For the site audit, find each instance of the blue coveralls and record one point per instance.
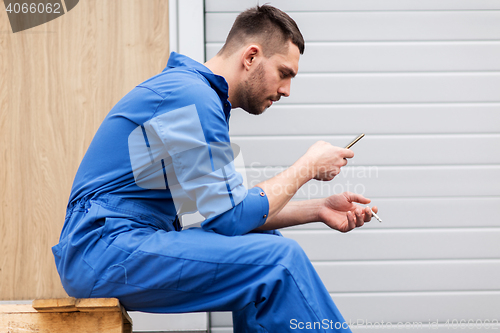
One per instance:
(164, 148)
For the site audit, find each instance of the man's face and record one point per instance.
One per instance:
(270, 80)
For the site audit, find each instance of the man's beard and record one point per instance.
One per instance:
(250, 92)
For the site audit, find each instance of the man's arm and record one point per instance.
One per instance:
(338, 211)
(322, 161)
(295, 213)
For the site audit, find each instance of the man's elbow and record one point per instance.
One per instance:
(226, 228)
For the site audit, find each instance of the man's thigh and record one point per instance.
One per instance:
(196, 270)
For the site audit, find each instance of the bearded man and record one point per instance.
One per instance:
(164, 150)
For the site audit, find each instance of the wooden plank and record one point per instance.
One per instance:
(378, 149)
(395, 88)
(397, 182)
(380, 26)
(67, 304)
(98, 304)
(127, 321)
(408, 244)
(361, 5)
(404, 213)
(82, 322)
(356, 57)
(16, 308)
(371, 119)
(410, 275)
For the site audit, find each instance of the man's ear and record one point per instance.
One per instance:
(250, 55)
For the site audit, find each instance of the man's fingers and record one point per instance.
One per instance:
(347, 153)
(351, 221)
(368, 214)
(359, 218)
(354, 197)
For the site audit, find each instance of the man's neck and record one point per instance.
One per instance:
(227, 68)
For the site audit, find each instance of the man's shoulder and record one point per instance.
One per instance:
(178, 80)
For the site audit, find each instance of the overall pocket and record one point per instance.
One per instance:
(149, 270)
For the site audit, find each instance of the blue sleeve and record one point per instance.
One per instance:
(248, 215)
(199, 167)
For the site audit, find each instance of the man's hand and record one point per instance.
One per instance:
(341, 213)
(322, 161)
(326, 160)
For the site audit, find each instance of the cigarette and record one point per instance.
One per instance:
(376, 216)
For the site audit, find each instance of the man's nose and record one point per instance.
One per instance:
(284, 89)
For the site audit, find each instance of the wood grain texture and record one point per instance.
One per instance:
(67, 304)
(52, 322)
(58, 81)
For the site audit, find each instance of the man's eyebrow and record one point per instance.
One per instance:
(288, 71)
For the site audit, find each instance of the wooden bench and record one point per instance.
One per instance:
(84, 315)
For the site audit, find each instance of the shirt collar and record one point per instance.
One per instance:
(217, 82)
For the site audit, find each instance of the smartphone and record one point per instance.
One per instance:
(355, 140)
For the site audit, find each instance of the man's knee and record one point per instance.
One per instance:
(290, 252)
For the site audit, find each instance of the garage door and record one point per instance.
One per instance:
(421, 78)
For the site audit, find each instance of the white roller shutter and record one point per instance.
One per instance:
(422, 79)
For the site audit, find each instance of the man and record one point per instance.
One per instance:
(163, 150)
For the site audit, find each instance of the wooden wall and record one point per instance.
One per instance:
(57, 83)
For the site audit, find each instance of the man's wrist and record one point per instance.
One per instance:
(320, 205)
(304, 169)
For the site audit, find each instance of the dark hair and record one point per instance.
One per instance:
(269, 26)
